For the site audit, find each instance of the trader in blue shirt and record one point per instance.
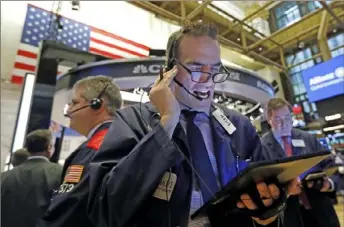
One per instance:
(312, 207)
(163, 160)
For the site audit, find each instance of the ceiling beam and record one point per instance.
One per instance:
(309, 32)
(196, 11)
(182, 10)
(237, 22)
(293, 39)
(330, 11)
(280, 31)
(164, 4)
(157, 10)
(265, 5)
(233, 45)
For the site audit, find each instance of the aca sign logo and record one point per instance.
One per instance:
(325, 80)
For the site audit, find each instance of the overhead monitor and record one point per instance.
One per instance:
(325, 80)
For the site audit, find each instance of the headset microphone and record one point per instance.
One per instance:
(66, 114)
(181, 85)
(95, 103)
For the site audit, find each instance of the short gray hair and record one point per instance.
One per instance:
(93, 85)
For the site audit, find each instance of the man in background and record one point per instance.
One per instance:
(20, 156)
(312, 208)
(94, 103)
(26, 190)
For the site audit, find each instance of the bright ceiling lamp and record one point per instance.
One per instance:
(23, 112)
(333, 117)
(333, 128)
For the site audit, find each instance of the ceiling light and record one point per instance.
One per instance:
(333, 117)
(333, 128)
(301, 45)
(246, 58)
(75, 5)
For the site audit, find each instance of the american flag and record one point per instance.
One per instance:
(73, 174)
(73, 34)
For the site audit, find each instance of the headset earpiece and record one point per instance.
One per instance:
(96, 103)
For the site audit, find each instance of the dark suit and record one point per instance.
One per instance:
(26, 192)
(322, 213)
(69, 202)
(132, 159)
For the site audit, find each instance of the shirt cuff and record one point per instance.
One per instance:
(332, 186)
(276, 223)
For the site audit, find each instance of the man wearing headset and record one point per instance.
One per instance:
(142, 174)
(93, 106)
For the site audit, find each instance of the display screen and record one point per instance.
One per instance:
(325, 80)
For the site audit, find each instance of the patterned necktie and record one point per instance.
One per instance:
(289, 152)
(200, 159)
(287, 146)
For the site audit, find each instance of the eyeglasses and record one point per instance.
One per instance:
(284, 120)
(201, 77)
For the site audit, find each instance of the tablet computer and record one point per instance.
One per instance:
(315, 176)
(331, 170)
(282, 170)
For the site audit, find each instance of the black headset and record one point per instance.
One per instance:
(95, 103)
(169, 63)
(170, 60)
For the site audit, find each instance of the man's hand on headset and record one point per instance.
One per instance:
(164, 100)
(268, 193)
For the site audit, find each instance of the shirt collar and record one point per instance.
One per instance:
(184, 107)
(278, 137)
(90, 134)
(38, 157)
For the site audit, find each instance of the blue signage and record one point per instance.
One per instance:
(325, 80)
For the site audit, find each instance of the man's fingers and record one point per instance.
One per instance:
(263, 190)
(294, 187)
(310, 184)
(326, 185)
(240, 205)
(247, 201)
(274, 191)
(168, 76)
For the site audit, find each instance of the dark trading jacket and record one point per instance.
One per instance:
(132, 160)
(69, 202)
